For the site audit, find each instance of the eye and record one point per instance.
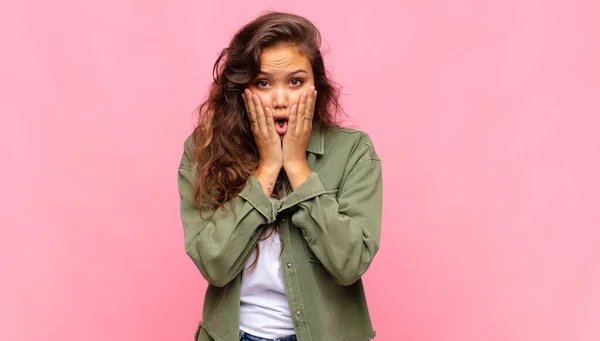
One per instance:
(296, 82)
(261, 83)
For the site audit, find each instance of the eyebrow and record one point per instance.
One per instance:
(289, 74)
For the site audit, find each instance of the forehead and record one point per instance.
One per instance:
(282, 58)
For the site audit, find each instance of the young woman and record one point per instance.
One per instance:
(281, 207)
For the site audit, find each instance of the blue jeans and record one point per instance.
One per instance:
(247, 337)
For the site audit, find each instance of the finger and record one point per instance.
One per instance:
(301, 113)
(293, 119)
(310, 108)
(260, 115)
(247, 95)
(245, 102)
(270, 122)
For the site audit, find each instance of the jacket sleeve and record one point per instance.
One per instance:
(221, 240)
(344, 233)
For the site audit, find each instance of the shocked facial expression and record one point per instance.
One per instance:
(285, 75)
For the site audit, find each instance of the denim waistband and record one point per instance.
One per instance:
(245, 336)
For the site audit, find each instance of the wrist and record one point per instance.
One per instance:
(297, 174)
(268, 170)
(296, 167)
(267, 178)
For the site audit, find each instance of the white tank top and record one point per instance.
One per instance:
(264, 309)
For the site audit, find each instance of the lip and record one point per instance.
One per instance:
(280, 117)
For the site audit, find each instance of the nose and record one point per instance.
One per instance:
(280, 98)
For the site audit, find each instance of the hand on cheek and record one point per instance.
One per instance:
(296, 139)
(267, 141)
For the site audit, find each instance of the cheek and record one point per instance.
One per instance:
(265, 99)
(305, 88)
(295, 97)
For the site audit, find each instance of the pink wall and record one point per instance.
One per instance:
(485, 113)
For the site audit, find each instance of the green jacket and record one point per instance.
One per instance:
(329, 226)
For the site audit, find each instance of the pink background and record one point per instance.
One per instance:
(485, 113)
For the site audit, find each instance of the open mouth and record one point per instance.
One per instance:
(281, 125)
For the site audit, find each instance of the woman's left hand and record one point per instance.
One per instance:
(296, 138)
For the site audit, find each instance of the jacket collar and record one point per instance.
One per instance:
(316, 141)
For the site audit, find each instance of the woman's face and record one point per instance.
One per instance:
(285, 75)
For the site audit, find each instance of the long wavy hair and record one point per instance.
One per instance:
(225, 152)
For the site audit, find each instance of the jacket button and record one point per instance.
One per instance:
(289, 265)
(298, 313)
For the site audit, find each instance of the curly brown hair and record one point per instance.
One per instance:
(225, 153)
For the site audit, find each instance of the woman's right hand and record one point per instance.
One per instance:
(267, 140)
